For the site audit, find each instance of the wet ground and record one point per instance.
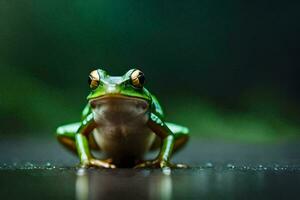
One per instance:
(41, 169)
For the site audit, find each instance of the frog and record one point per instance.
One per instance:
(123, 121)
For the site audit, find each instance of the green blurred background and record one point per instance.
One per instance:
(226, 69)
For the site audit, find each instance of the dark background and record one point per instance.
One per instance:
(225, 69)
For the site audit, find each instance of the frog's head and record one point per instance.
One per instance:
(130, 85)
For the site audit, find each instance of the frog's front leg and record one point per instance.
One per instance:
(161, 129)
(82, 145)
(77, 138)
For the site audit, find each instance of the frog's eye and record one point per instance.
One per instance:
(137, 78)
(94, 79)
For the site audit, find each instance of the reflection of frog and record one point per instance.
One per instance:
(90, 184)
(123, 120)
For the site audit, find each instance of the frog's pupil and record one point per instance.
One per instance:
(141, 78)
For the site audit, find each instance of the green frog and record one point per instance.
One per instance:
(123, 120)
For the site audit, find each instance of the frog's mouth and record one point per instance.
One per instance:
(119, 99)
(115, 108)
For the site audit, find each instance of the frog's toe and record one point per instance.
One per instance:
(180, 166)
(145, 164)
(108, 160)
(102, 164)
(153, 164)
(98, 164)
(160, 164)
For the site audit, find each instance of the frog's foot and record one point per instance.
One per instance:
(98, 163)
(158, 163)
(108, 160)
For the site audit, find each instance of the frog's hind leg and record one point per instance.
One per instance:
(66, 136)
(181, 134)
(181, 137)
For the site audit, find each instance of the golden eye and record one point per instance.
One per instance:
(137, 78)
(94, 79)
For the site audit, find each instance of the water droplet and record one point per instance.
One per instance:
(231, 166)
(28, 165)
(48, 165)
(208, 165)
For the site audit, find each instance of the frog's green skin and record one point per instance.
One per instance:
(123, 122)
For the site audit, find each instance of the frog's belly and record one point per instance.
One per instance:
(122, 131)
